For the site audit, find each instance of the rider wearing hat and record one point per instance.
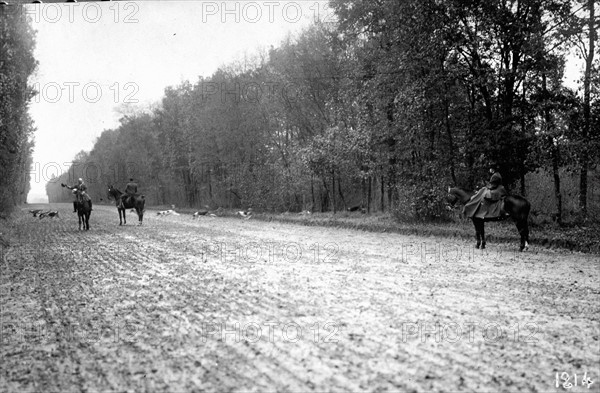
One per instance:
(486, 203)
(497, 190)
(79, 191)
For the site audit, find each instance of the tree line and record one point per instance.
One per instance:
(17, 63)
(382, 109)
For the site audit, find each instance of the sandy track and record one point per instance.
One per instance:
(242, 305)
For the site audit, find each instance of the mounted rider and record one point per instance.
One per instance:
(489, 200)
(130, 193)
(80, 194)
(495, 187)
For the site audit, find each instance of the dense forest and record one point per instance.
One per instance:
(384, 106)
(17, 41)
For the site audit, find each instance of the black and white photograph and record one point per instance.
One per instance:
(300, 196)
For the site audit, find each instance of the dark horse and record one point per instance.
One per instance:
(515, 206)
(138, 204)
(84, 209)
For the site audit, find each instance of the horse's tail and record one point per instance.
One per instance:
(142, 202)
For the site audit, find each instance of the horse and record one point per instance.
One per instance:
(138, 204)
(515, 206)
(83, 206)
(84, 209)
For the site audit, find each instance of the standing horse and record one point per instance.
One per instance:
(84, 209)
(83, 206)
(515, 206)
(138, 204)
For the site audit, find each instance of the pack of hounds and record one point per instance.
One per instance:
(41, 213)
(245, 214)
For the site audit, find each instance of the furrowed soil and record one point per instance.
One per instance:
(227, 304)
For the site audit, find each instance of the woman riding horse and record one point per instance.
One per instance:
(488, 201)
(493, 203)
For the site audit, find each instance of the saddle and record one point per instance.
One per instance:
(128, 198)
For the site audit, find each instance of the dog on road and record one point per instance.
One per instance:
(36, 212)
(50, 214)
(167, 213)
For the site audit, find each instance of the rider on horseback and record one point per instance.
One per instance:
(130, 192)
(487, 202)
(495, 187)
(79, 191)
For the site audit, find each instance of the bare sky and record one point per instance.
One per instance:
(101, 55)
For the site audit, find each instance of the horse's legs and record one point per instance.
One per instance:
(524, 232)
(476, 225)
(482, 230)
(124, 218)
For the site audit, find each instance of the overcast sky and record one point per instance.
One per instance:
(103, 54)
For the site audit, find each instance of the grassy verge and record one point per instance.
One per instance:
(584, 239)
(575, 238)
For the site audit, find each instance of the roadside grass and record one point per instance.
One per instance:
(583, 238)
(575, 238)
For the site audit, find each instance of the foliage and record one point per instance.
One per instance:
(16, 128)
(383, 109)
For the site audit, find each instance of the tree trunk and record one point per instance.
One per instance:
(583, 171)
(382, 194)
(333, 190)
(342, 195)
(390, 190)
(324, 196)
(369, 196)
(210, 192)
(363, 191)
(553, 150)
(555, 172)
(450, 139)
(312, 193)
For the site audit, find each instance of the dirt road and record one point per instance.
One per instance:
(242, 305)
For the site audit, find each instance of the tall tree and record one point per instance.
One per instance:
(587, 51)
(17, 41)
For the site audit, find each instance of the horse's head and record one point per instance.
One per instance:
(458, 194)
(451, 198)
(110, 191)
